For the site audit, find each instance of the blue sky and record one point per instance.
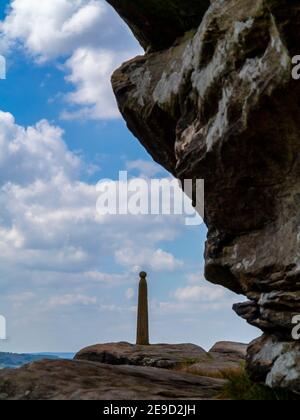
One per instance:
(68, 279)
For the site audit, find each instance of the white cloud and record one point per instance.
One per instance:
(130, 293)
(204, 293)
(145, 168)
(71, 300)
(117, 309)
(105, 278)
(194, 278)
(86, 34)
(145, 258)
(20, 299)
(37, 152)
(90, 72)
(197, 297)
(49, 29)
(194, 299)
(48, 217)
(193, 308)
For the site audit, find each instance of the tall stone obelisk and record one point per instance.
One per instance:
(142, 317)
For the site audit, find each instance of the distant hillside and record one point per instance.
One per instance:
(68, 356)
(13, 360)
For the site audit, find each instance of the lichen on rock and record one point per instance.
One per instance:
(218, 102)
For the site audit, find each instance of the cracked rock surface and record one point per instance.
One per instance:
(216, 100)
(82, 380)
(181, 357)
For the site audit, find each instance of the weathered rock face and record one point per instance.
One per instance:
(223, 357)
(220, 104)
(166, 356)
(81, 380)
(229, 350)
(276, 362)
(181, 357)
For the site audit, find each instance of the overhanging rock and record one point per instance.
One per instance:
(157, 23)
(220, 104)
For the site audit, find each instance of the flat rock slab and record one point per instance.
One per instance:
(167, 356)
(81, 380)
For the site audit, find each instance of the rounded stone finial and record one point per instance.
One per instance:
(143, 274)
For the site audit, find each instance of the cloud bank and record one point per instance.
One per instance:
(86, 36)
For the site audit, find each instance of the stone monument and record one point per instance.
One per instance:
(142, 316)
